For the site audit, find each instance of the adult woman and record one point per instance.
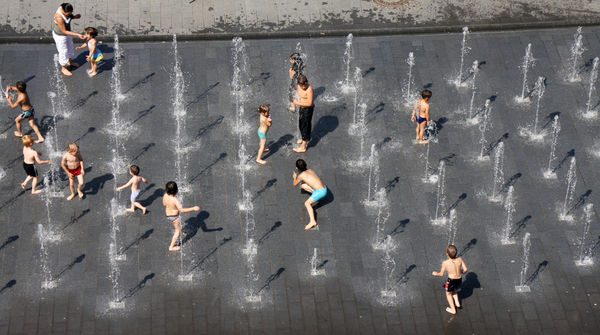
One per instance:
(63, 36)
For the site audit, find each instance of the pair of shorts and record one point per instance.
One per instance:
(421, 119)
(75, 172)
(172, 218)
(98, 56)
(452, 285)
(27, 114)
(304, 121)
(262, 135)
(30, 169)
(319, 194)
(134, 195)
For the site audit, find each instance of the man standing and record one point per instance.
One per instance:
(63, 36)
(306, 107)
(311, 183)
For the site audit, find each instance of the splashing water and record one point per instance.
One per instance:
(464, 50)
(314, 265)
(373, 173)
(475, 72)
(483, 127)
(428, 178)
(585, 253)
(577, 50)
(389, 266)
(570, 192)
(383, 214)
(3, 100)
(44, 237)
(441, 196)
(346, 85)
(409, 95)
(509, 208)
(527, 63)
(498, 173)
(522, 288)
(452, 227)
(549, 172)
(532, 132)
(590, 113)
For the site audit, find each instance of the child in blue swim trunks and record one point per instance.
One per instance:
(311, 183)
(95, 54)
(265, 123)
(421, 115)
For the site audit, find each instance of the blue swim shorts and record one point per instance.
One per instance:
(262, 135)
(319, 194)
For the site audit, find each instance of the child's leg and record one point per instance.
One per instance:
(456, 302)
(417, 131)
(451, 309)
(33, 185)
(18, 133)
(36, 130)
(261, 150)
(80, 186)
(421, 131)
(306, 188)
(177, 225)
(138, 205)
(311, 214)
(26, 181)
(92, 71)
(72, 187)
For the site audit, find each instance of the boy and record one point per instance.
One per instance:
(95, 54)
(306, 107)
(30, 157)
(422, 117)
(134, 182)
(265, 123)
(311, 183)
(455, 267)
(173, 209)
(72, 163)
(27, 111)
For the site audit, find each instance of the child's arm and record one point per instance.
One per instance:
(81, 46)
(427, 113)
(63, 163)
(269, 121)
(297, 178)
(413, 117)
(37, 159)
(441, 273)
(126, 185)
(16, 103)
(144, 180)
(463, 266)
(81, 164)
(292, 73)
(185, 210)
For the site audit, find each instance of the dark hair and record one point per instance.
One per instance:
(302, 80)
(92, 31)
(301, 165)
(426, 94)
(171, 188)
(21, 86)
(263, 109)
(134, 169)
(298, 64)
(451, 251)
(67, 7)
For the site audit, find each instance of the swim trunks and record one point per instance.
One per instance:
(172, 218)
(27, 114)
(304, 121)
(97, 56)
(30, 169)
(262, 135)
(421, 119)
(319, 194)
(134, 195)
(76, 171)
(452, 285)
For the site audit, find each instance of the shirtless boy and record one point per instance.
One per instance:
(421, 115)
(30, 157)
(306, 107)
(311, 183)
(173, 209)
(72, 163)
(455, 267)
(134, 182)
(27, 111)
(265, 123)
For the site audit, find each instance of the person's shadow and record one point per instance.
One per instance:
(469, 284)
(192, 224)
(324, 126)
(94, 185)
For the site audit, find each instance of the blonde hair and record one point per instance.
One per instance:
(73, 147)
(27, 140)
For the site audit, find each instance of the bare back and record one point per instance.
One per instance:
(29, 155)
(305, 96)
(23, 100)
(135, 183)
(310, 177)
(172, 205)
(422, 108)
(455, 267)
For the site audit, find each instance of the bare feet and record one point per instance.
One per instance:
(449, 310)
(144, 210)
(130, 210)
(299, 141)
(36, 192)
(23, 186)
(40, 140)
(177, 248)
(80, 194)
(91, 74)
(66, 72)
(310, 226)
(71, 196)
(261, 161)
(292, 109)
(18, 134)
(266, 150)
(423, 142)
(300, 149)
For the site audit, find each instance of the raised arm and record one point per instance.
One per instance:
(126, 185)
(442, 271)
(36, 156)
(63, 28)
(12, 104)
(297, 178)
(185, 210)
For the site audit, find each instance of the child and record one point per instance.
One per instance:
(134, 182)
(30, 157)
(27, 111)
(295, 70)
(95, 54)
(265, 123)
(422, 117)
(311, 183)
(455, 267)
(72, 163)
(173, 209)
(305, 103)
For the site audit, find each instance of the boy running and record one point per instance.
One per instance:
(455, 267)
(265, 123)
(421, 115)
(72, 163)
(27, 111)
(134, 182)
(30, 157)
(173, 209)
